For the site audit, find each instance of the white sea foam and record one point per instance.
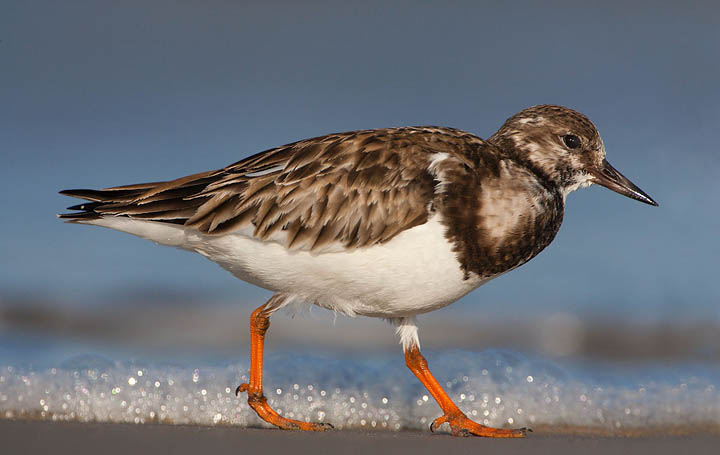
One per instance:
(496, 388)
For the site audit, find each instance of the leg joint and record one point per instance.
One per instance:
(414, 360)
(255, 398)
(259, 321)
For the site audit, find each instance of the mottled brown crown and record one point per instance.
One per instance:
(535, 137)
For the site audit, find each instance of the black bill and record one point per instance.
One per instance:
(609, 177)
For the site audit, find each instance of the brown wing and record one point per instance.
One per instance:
(351, 189)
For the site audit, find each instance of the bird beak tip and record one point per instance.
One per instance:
(609, 177)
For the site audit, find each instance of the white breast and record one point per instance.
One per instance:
(415, 272)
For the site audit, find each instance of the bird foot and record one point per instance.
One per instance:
(258, 402)
(462, 426)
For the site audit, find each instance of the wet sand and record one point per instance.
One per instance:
(32, 437)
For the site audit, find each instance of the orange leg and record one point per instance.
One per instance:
(259, 323)
(460, 425)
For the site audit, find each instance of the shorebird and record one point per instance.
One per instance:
(387, 223)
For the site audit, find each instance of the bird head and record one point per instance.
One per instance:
(565, 147)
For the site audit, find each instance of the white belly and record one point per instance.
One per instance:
(414, 273)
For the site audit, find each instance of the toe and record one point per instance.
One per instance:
(435, 424)
(462, 426)
(242, 388)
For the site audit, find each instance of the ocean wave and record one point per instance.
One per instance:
(495, 388)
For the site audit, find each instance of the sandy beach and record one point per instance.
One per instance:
(29, 437)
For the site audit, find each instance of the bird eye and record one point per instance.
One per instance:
(571, 141)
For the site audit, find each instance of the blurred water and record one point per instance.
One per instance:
(497, 388)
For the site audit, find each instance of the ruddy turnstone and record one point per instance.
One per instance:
(386, 223)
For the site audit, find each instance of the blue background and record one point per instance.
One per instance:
(96, 94)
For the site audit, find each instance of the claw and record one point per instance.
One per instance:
(241, 388)
(437, 422)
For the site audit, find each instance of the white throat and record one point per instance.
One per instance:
(582, 182)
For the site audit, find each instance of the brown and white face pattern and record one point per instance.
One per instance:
(556, 142)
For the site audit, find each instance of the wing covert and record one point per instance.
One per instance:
(346, 190)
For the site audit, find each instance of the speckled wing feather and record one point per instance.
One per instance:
(351, 189)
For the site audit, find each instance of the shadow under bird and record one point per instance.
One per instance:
(386, 223)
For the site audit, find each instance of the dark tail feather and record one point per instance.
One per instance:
(103, 195)
(97, 198)
(171, 204)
